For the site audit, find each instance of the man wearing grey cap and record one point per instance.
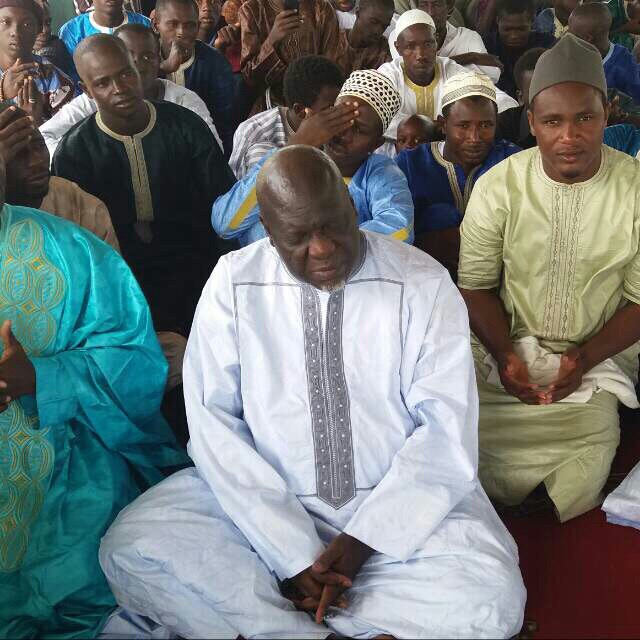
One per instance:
(550, 271)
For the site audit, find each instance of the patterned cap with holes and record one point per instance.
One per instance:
(376, 90)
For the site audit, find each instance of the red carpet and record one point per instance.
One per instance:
(583, 577)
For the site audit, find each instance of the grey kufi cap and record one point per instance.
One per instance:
(569, 60)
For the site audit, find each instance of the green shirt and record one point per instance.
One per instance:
(564, 258)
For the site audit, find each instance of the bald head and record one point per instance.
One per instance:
(296, 177)
(591, 22)
(307, 212)
(92, 50)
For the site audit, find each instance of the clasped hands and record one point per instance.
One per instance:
(321, 585)
(515, 378)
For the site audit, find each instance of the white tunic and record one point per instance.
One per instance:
(459, 40)
(312, 413)
(394, 70)
(83, 106)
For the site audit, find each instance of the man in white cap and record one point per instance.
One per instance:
(462, 45)
(331, 478)
(419, 74)
(349, 132)
(550, 270)
(441, 175)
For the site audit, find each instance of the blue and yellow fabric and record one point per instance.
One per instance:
(378, 188)
(440, 189)
(90, 439)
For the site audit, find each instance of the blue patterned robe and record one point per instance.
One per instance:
(90, 439)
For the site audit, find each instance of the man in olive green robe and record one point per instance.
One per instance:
(550, 271)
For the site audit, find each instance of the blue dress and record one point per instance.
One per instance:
(440, 189)
(91, 438)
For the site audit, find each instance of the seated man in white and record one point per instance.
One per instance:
(333, 411)
(419, 74)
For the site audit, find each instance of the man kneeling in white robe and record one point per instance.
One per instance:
(333, 412)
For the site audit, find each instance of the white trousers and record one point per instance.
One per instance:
(173, 555)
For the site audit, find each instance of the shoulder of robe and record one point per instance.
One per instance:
(394, 260)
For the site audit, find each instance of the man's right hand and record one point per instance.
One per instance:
(318, 128)
(15, 133)
(515, 380)
(307, 591)
(285, 24)
(14, 77)
(177, 55)
(226, 37)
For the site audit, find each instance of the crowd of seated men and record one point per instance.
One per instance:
(298, 296)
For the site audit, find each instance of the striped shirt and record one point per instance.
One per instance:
(255, 137)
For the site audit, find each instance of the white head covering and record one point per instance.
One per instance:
(376, 90)
(411, 17)
(464, 85)
(406, 20)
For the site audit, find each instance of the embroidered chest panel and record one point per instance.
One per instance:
(328, 398)
(31, 288)
(567, 204)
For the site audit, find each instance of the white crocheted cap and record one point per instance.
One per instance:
(376, 90)
(411, 17)
(464, 85)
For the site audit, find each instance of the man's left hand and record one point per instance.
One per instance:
(344, 555)
(570, 374)
(17, 375)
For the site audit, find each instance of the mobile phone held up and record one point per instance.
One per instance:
(291, 5)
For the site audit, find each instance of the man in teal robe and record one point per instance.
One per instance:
(81, 381)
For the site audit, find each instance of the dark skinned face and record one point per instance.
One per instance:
(45, 34)
(418, 47)
(319, 240)
(411, 133)
(525, 82)
(209, 13)
(372, 23)
(177, 22)
(438, 10)
(113, 81)
(470, 130)
(18, 32)
(109, 8)
(515, 29)
(28, 173)
(568, 121)
(146, 56)
(361, 139)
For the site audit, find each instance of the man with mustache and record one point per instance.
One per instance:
(158, 168)
(550, 270)
(144, 47)
(335, 486)
(419, 73)
(441, 175)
